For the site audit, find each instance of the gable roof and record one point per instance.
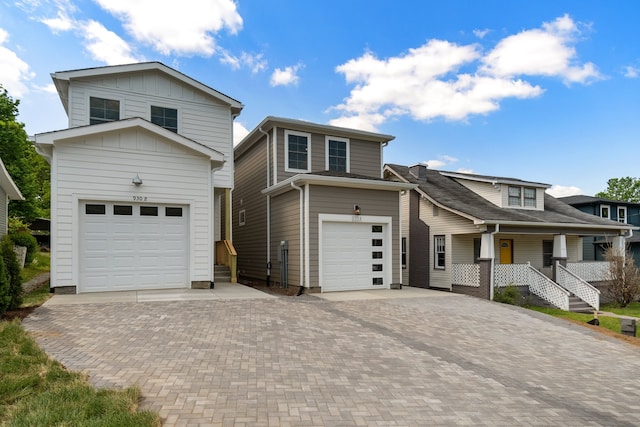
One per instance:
(447, 193)
(61, 80)
(7, 184)
(301, 125)
(45, 141)
(590, 200)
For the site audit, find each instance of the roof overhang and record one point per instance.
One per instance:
(494, 180)
(301, 125)
(61, 80)
(46, 141)
(7, 184)
(332, 181)
(573, 228)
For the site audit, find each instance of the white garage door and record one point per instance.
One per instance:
(354, 256)
(126, 246)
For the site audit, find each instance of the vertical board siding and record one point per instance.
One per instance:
(201, 117)
(92, 168)
(338, 200)
(250, 240)
(285, 225)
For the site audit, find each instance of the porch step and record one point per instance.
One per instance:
(221, 273)
(576, 305)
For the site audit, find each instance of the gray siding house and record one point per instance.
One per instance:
(310, 208)
(471, 234)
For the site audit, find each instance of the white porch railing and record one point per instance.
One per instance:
(538, 283)
(466, 275)
(597, 271)
(577, 286)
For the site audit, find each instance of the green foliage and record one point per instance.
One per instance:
(15, 224)
(27, 168)
(631, 309)
(508, 295)
(10, 261)
(611, 323)
(5, 289)
(40, 264)
(626, 189)
(38, 391)
(24, 238)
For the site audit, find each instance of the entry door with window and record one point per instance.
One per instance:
(506, 251)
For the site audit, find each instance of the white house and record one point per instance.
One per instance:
(140, 180)
(8, 191)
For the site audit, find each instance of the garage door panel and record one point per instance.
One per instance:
(128, 252)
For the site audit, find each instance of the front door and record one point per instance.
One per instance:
(506, 251)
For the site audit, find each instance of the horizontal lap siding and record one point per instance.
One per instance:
(285, 225)
(338, 200)
(405, 222)
(365, 158)
(250, 240)
(484, 189)
(94, 169)
(200, 117)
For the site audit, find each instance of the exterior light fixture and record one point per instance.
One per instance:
(136, 180)
(356, 210)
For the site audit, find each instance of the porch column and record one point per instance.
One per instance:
(618, 245)
(559, 253)
(486, 266)
(227, 214)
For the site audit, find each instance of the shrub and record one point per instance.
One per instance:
(507, 295)
(12, 272)
(5, 295)
(15, 225)
(624, 277)
(24, 238)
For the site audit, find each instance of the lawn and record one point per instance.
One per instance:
(39, 265)
(632, 309)
(36, 390)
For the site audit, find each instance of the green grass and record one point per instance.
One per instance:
(39, 265)
(611, 323)
(632, 309)
(37, 297)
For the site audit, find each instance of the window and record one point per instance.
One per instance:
(378, 281)
(241, 217)
(165, 117)
(530, 197)
(605, 211)
(477, 243)
(172, 211)
(439, 252)
(376, 229)
(103, 110)
(404, 252)
(337, 158)
(547, 253)
(148, 211)
(376, 255)
(94, 209)
(123, 210)
(514, 196)
(298, 152)
(376, 267)
(622, 214)
(376, 242)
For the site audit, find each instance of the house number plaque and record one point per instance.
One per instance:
(139, 198)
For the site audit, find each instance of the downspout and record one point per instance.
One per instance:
(301, 237)
(493, 262)
(268, 208)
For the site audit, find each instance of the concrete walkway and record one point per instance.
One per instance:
(435, 359)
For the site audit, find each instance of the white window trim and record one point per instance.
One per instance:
(326, 151)
(169, 106)
(608, 207)
(435, 252)
(242, 217)
(103, 96)
(621, 208)
(286, 151)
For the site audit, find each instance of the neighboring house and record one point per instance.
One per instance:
(141, 179)
(617, 210)
(311, 210)
(470, 233)
(8, 191)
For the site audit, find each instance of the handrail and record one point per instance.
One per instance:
(577, 286)
(547, 289)
(226, 255)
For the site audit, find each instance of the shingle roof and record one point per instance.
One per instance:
(588, 200)
(455, 196)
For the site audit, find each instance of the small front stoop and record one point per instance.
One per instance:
(576, 305)
(221, 273)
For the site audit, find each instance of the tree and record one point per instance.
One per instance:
(625, 189)
(27, 169)
(624, 277)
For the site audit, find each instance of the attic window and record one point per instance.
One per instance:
(522, 196)
(165, 117)
(103, 110)
(297, 151)
(337, 150)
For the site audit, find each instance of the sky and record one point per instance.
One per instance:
(545, 91)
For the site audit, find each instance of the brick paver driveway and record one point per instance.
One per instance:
(445, 360)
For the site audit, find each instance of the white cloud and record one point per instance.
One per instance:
(481, 33)
(105, 45)
(286, 77)
(632, 72)
(239, 132)
(362, 122)
(186, 29)
(62, 22)
(564, 191)
(14, 72)
(465, 170)
(429, 82)
(440, 162)
(254, 62)
(48, 88)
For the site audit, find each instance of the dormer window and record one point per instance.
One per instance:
(337, 150)
(605, 211)
(522, 197)
(297, 152)
(102, 110)
(622, 214)
(165, 117)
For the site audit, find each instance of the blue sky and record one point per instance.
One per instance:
(547, 91)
